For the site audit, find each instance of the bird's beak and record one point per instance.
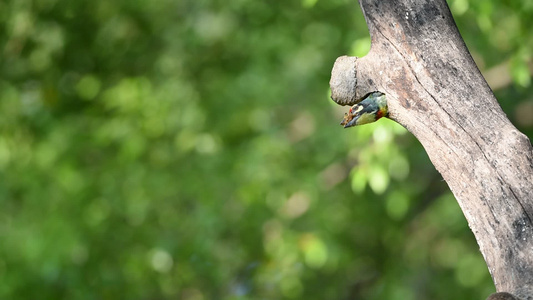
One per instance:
(351, 122)
(351, 117)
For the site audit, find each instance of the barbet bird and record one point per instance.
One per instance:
(371, 108)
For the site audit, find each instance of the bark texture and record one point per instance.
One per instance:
(435, 90)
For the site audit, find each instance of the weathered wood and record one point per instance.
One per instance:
(501, 296)
(434, 89)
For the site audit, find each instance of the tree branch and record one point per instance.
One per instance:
(434, 89)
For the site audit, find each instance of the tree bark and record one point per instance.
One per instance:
(435, 90)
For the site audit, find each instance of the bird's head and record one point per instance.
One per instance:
(372, 108)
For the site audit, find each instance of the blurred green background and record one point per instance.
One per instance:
(187, 149)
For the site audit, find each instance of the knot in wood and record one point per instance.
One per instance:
(344, 80)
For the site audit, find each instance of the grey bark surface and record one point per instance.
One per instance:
(435, 90)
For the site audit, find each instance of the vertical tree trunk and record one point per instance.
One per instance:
(434, 89)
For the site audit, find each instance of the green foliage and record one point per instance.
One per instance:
(187, 150)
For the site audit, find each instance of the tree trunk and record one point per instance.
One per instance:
(434, 89)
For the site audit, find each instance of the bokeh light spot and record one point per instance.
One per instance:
(315, 251)
(161, 261)
(296, 205)
(88, 87)
(378, 179)
(397, 205)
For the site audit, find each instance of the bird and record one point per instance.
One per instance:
(371, 108)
